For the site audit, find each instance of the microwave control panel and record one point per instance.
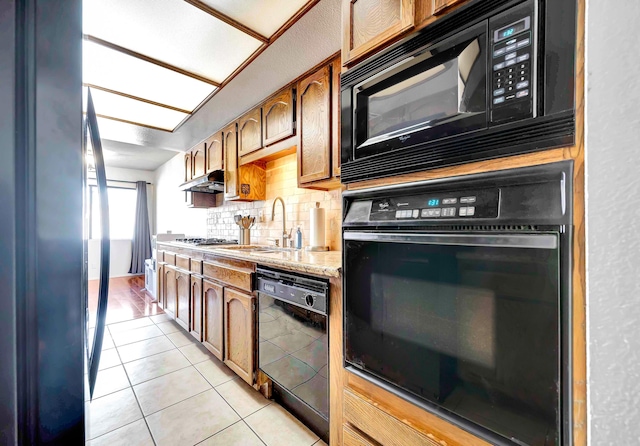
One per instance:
(512, 64)
(464, 205)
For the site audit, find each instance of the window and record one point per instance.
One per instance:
(122, 212)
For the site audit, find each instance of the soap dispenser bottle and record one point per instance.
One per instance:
(298, 238)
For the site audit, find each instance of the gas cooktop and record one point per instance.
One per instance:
(206, 241)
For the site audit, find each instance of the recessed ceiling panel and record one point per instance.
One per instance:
(116, 71)
(263, 16)
(120, 107)
(171, 31)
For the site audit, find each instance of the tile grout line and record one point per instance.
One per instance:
(138, 402)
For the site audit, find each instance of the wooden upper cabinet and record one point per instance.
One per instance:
(239, 333)
(195, 321)
(335, 118)
(314, 119)
(183, 291)
(250, 132)
(188, 167)
(214, 152)
(212, 318)
(440, 6)
(368, 24)
(278, 115)
(230, 143)
(319, 128)
(198, 160)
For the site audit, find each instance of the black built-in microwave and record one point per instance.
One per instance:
(494, 78)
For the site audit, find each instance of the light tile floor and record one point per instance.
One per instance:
(158, 386)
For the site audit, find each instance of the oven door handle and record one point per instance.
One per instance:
(534, 241)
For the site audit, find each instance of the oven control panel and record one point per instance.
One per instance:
(512, 64)
(464, 205)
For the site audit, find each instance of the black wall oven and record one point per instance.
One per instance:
(457, 298)
(494, 78)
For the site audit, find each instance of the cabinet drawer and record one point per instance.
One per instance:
(183, 262)
(229, 275)
(379, 425)
(352, 438)
(196, 266)
(170, 258)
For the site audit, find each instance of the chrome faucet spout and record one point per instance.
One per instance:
(284, 219)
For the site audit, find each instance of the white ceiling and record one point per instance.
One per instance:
(131, 156)
(316, 36)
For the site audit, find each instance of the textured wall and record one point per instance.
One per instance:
(281, 181)
(613, 221)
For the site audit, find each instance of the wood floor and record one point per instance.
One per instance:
(127, 300)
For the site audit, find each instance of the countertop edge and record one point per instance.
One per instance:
(320, 270)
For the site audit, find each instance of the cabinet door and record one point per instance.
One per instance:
(183, 289)
(239, 333)
(250, 132)
(198, 156)
(440, 6)
(369, 24)
(335, 118)
(314, 118)
(160, 286)
(195, 326)
(230, 162)
(188, 167)
(214, 152)
(278, 116)
(170, 293)
(212, 322)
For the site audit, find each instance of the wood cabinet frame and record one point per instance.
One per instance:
(188, 167)
(198, 160)
(230, 144)
(183, 299)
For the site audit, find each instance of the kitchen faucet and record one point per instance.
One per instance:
(285, 236)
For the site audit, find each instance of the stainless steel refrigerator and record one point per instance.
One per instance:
(42, 310)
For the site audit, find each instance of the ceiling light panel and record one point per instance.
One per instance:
(263, 16)
(120, 107)
(171, 31)
(116, 71)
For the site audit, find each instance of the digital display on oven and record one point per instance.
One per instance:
(433, 202)
(511, 30)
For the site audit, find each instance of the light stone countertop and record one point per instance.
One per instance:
(321, 263)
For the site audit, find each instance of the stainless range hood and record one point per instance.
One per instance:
(212, 183)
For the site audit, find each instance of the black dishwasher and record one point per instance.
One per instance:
(293, 343)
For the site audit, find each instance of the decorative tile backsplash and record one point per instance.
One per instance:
(281, 182)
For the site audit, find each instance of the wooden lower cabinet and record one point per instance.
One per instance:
(170, 291)
(183, 291)
(195, 325)
(379, 425)
(240, 333)
(353, 438)
(213, 318)
(160, 285)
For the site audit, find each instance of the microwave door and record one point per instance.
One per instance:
(428, 92)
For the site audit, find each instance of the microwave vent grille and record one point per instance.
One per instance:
(482, 228)
(478, 10)
(539, 135)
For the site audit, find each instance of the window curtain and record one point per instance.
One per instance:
(141, 249)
